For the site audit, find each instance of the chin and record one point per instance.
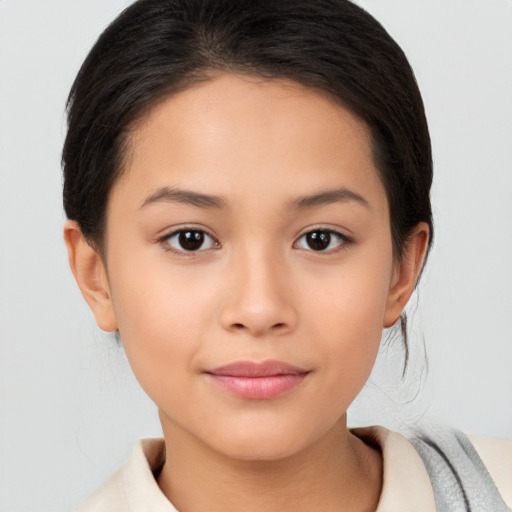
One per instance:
(264, 442)
(261, 450)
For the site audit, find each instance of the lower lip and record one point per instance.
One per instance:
(258, 388)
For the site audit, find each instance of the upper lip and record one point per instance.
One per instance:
(257, 369)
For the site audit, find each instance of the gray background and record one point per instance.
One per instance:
(69, 407)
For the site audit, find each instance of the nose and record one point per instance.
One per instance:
(260, 298)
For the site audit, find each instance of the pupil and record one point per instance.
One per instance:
(191, 240)
(319, 240)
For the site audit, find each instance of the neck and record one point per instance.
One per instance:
(338, 472)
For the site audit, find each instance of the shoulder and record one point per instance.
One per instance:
(474, 473)
(406, 484)
(442, 469)
(133, 486)
(496, 454)
(110, 496)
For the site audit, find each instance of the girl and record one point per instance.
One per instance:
(247, 187)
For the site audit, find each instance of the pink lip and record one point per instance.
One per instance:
(257, 381)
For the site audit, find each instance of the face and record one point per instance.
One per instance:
(249, 264)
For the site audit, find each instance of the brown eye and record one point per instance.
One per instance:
(321, 240)
(188, 240)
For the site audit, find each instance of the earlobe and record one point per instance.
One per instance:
(406, 273)
(91, 276)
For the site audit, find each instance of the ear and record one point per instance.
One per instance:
(406, 273)
(91, 276)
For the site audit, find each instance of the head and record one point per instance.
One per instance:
(211, 116)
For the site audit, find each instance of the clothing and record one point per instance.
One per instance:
(406, 487)
(458, 475)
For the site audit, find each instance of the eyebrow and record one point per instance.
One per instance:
(340, 195)
(175, 195)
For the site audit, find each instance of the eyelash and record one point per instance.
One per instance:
(344, 240)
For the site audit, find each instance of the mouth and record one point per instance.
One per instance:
(257, 381)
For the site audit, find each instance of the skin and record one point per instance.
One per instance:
(255, 291)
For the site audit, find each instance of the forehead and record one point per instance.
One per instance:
(239, 135)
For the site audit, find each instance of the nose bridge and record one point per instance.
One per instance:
(260, 298)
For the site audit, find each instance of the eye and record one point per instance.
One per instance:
(321, 240)
(189, 240)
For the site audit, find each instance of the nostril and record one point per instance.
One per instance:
(240, 326)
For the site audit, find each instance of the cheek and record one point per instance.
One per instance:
(151, 293)
(347, 315)
(352, 300)
(163, 315)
